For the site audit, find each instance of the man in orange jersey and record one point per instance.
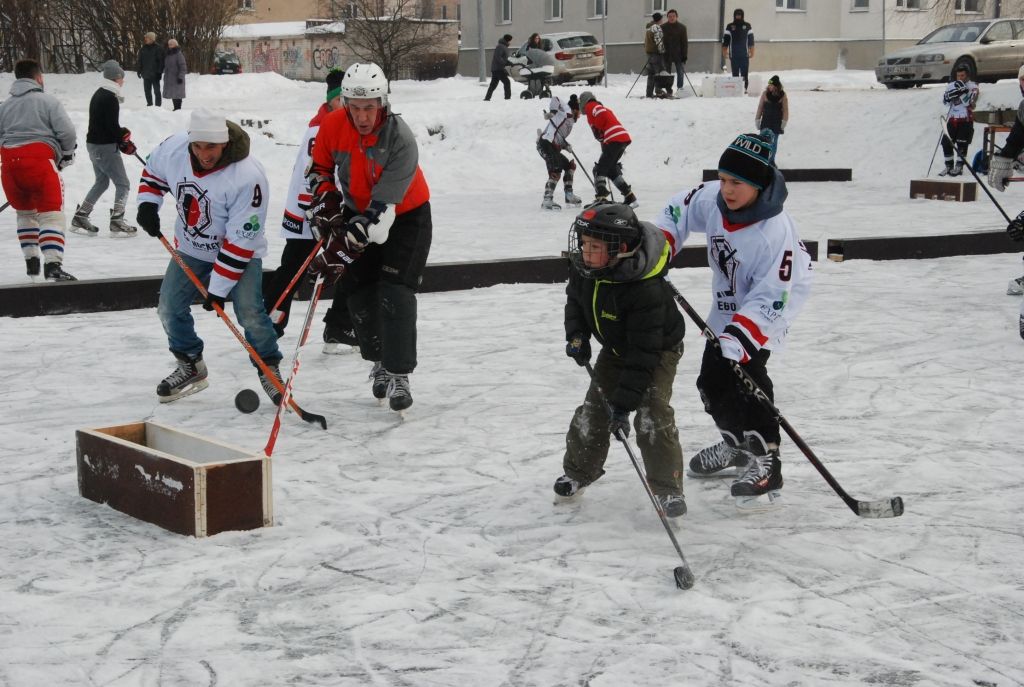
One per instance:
(377, 226)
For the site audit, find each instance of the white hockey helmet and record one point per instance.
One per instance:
(365, 81)
(1020, 72)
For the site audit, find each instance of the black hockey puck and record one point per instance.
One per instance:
(684, 577)
(247, 400)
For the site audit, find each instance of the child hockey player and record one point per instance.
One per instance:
(550, 144)
(961, 96)
(761, 275)
(614, 138)
(773, 111)
(617, 295)
(1001, 169)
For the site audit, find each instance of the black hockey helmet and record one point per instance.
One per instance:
(613, 223)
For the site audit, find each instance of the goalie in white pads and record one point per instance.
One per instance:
(761, 276)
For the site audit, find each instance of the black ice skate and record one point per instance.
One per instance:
(399, 394)
(673, 505)
(716, 461)
(338, 340)
(948, 171)
(379, 377)
(763, 477)
(80, 223)
(188, 378)
(119, 228)
(53, 271)
(567, 489)
(32, 267)
(631, 200)
(269, 388)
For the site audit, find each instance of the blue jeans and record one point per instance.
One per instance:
(177, 293)
(680, 74)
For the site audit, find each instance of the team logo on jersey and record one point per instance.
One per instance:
(193, 209)
(724, 257)
(251, 228)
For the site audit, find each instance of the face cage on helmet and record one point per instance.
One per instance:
(611, 239)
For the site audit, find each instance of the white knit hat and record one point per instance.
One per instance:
(207, 127)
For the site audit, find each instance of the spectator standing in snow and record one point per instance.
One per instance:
(498, 63)
(654, 47)
(738, 45)
(151, 68)
(174, 74)
(773, 111)
(676, 45)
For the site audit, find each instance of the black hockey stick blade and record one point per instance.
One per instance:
(313, 418)
(883, 508)
(684, 577)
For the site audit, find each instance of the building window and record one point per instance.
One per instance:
(860, 5)
(444, 11)
(791, 4)
(656, 6)
(973, 6)
(504, 12)
(909, 4)
(600, 8)
(246, 5)
(553, 10)
(426, 9)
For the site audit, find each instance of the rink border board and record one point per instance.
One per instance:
(800, 175)
(922, 247)
(130, 293)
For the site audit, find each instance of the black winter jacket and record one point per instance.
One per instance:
(631, 313)
(104, 111)
(499, 60)
(151, 61)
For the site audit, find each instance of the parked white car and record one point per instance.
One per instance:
(575, 55)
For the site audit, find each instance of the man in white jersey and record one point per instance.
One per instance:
(560, 115)
(761, 276)
(960, 96)
(221, 196)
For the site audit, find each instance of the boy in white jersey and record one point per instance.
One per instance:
(760, 279)
(220, 193)
(960, 95)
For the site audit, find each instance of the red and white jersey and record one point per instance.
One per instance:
(295, 224)
(761, 272)
(221, 214)
(560, 122)
(606, 126)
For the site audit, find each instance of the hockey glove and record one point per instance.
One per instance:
(1015, 229)
(332, 261)
(125, 145)
(578, 348)
(66, 160)
(148, 218)
(574, 103)
(326, 215)
(357, 233)
(619, 423)
(999, 170)
(211, 299)
(731, 349)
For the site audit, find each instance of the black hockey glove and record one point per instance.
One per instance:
(148, 218)
(66, 160)
(574, 103)
(1015, 229)
(357, 233)
(325, 215)
(578, 348)
(332, 261)
(619, 422)
(211, 299)
(125, 145)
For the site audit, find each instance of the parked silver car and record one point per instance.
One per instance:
(575, 55)
(990, 49)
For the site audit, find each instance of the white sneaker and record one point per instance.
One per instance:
(1015, 287)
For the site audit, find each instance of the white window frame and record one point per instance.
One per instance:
(246, 6)
(960, 7)
(554, 10)
(860, 5)
(790, 5)
(657, 6)
(503, 13)
(910, 6)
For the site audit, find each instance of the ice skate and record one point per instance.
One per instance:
(759, 487)
(119, 228)
(338, 340)
(567, 489)
(269, 388)
(188, 378)
(380, 382)
(958, 169)
(399, 394)
(53, 271)
(673, 505)
(1015, 287)
(716, 461)
(571, 199)
(549, 204)
(32, 267)
(948, 171)
(80, 223)
(631, 200)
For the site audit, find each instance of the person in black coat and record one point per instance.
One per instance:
(498, 63)
(617, 295)
(150, 68)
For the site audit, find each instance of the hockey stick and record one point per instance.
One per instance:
(882, 508)
(975, 175)
(295, 279)
(682, 573)
(286, 396)
(267, 372)
(5, 206)
(938, 142)
(139, 158)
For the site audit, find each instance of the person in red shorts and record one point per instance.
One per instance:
(37, 140)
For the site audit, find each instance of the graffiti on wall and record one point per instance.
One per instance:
(326, 58)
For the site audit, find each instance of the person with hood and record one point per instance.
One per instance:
(614, 138)
(654, 48)
(221, 195)
(105, 141)
(297, 231)
(498, 63)
(174, 74)
(773, 111)
(371, 204)
(560, 116)
(618, 296)
(37, 140)
(761, 277)
(738, 46)
(676, 46)
(150, 68)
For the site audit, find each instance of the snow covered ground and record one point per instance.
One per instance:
(428, 552)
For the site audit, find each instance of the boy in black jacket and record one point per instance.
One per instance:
(105, 141)
(617, 294)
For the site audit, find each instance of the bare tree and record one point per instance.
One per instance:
(388, 32)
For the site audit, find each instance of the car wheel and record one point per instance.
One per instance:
(901, 85)
(596, 80)
(965, 63)
(526, 95)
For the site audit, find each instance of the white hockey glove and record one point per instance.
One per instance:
(999, 170)
(731, 348)
(757, 123)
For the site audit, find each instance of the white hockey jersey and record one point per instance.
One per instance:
(295, 224)
(560, 123)
(221, 214)
(761, 272)
(961, 105)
